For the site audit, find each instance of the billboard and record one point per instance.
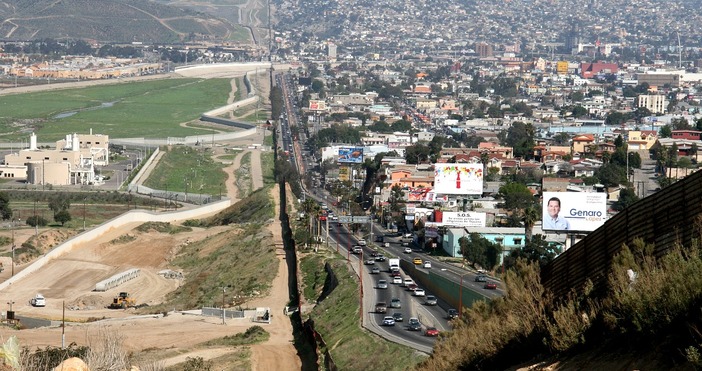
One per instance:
(574, 211)
(464, 219)
(344, 173)
(318, 105)
(353, 155)
(461, 179)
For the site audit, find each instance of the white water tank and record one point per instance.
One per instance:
(33, 142)
(76, 144)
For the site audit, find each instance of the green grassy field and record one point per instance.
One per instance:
(194, 166)
(149, 109)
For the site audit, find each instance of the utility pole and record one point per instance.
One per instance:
(223, 290)
(12, 271)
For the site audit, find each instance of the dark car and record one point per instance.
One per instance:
(481, 278)
(414, 325)
(451, 314)
(490, 286)
(380, 258)
(397, 316)
(381, 307)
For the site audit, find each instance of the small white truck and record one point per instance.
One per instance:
(395, 262)
(38, 301)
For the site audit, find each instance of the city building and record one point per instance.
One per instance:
(654, 103)
(72, 162)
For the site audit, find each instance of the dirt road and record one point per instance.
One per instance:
(71, 279)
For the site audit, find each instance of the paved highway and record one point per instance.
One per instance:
(338, 237)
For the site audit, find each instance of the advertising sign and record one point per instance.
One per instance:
(344, 174)
(353, 155)
(463, 179)
(574, 211)
(418, 194)
(318, 105)
(464, 219)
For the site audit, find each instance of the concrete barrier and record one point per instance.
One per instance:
(133, 216)
(117, 279)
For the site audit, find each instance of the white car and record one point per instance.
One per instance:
(419, 292)
(408, 250)
(397, 280)
(407, 281)
(38, 301)
(427, 264)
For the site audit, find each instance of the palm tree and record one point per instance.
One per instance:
(531, 215)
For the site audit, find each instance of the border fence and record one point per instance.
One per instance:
(663, 219)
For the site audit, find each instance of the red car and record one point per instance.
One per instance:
(431, 331)
(411, 287)
(490, 286)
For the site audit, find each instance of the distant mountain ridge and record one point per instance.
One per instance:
(121, 21)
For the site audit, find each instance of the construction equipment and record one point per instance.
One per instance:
(123, 301)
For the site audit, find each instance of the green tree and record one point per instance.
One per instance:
(59, 202)
(380, 127)
(665, 132)
(417, 153)
(579, 111)
(530, 215)
(615, 118)
(397, 198)
(680, 123)
(537, 250)
(5, 210)
(627, 196)
(611, 175)
(479, 251)
(561, 139)
(515, 196)
(36, 220)
(62, 217)
(520, 136)
(401, 125)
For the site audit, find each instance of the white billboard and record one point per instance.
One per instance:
(574, 211)
(462, 179)
(463, 219)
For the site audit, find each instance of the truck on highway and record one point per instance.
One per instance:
(394, 263)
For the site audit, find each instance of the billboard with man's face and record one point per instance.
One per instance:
(574, 211)
(458, 179)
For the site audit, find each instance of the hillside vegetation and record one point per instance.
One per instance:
(107, 21)
(648, 319)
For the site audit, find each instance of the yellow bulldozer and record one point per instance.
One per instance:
(123, 301)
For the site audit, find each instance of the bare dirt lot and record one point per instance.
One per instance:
(71, 279)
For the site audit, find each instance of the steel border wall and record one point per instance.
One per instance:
(664, 219)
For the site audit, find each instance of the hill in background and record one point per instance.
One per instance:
(108, 21)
